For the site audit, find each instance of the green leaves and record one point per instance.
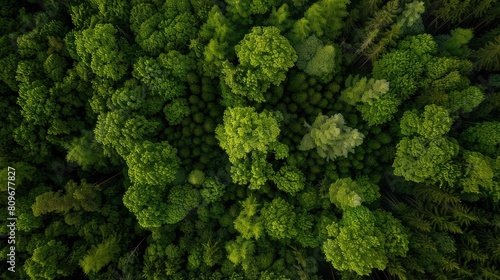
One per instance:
(153, 163)
(279, 219)
(100, 256)
(429, 153)
(146, 203)
(371, 98)
(419, 159)
(488, 57)
(364, 240)
(83, 196)
(433, 122)
(465, 101)
(480, 171)
(196, 177)
(45, 263)
(248, 223)
(289, 179)
(181, 200)
(331, 137)
(99, 49)
(364, 90)
(484, 137)
(264, 57)
(176, 111)
(245, 130)
(346, 193)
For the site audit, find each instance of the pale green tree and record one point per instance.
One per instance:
(264, 56)
(331, 137)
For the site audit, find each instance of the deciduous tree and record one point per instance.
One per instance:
(331, 137)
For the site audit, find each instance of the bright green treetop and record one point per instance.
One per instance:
(279, 219)
(264, 56)
(289, 179)
(244, 130)
(345, 192)
(484, 137)
(364, 240)
(180, 201)
(331, 137)
(153, 163)
(480, 173)
(147, 203)
(99, 49)
(419, 159)
(363, 90)
(248, 223)
(433, 122)
(101, 255)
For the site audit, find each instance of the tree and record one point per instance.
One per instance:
(465, 101)
(372, 98)
(317, 59)
(403, 67)
(116, 11)
(241, 251)
(163, 27)
(46, 261)
(147, 203)
(280, 18)
(324, 63)
(99, 256)
(84, 196)
(419, 159)
(54, 67)
(181, 200)
(264, 57)
(364, 240)
(325, 18)
(100, 50)
(483, 137)
(279, 219)
(176, 111)
(154, 74)
(244, 130)
(253, 170)
(152, 163)
(411, 14)
(37, 106)
(212, 190)
(120, 130)
(137, 97)
(424, 157)
(480, 171)
(219, 34)
(289, 179)
(306, 49)
(432, 123)
(248, 223)
(196, 177)
(345, 192)
(331, 137)
(363, 90)
(245, 9)
(247, 137)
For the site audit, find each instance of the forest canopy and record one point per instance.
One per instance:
(261, 140)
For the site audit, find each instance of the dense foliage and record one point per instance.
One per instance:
(284, 139)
